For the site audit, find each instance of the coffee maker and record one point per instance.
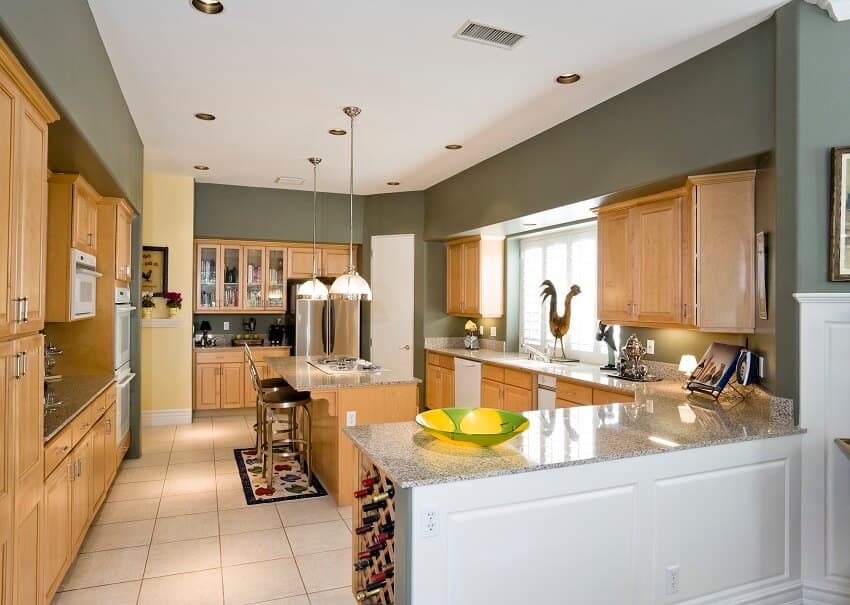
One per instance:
(281, 332)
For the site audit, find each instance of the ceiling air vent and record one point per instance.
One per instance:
(288, 180)
(478, 32)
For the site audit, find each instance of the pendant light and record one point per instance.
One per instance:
(351, 286)
(313, 289)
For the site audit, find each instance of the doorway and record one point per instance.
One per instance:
(392, 302)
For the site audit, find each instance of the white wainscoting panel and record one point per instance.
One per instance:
(698, 516)
(825, 413)
(492, 561)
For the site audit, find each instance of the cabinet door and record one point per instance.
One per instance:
(98, 464)
(433, 387)
(448, 387)
(207, 386)
(231, 287)
(275, 278)
(8, 136)
(28, 278)
(208, 261)
(300, 263)
(656, 245)
(491, 394)
(81, 490)
(110, 448)
(253, 277)
(57, 524)
(517, 399)
(7, 493)
(27, 573)
(123, 243)
(28, 405)
(472, 278)
(454, 279)
(334, 262)
(232, 385)
(84, 219)
(614, 290)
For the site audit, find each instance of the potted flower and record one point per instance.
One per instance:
(147, 305)
(174, 302)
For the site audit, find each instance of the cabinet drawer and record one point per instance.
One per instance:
(110, 395)
(264, 354)
(571, 391)
(433, 358)
(235, 355)
(81, 424)
(563, 403)
(56, 450)
(601, 397)
(447, 361)
(518, 378)
(491, 372)
(98, 407)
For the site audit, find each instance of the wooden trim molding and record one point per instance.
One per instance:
(10, 64)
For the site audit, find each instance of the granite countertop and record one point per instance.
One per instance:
(663, 422)
(304, 377)
(75, 392)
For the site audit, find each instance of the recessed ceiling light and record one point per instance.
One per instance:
(568, 78)
(208, 7)
(337, 132)
(201, 167)
(393, 183)
(289, 180)
(454, 146)
(206, 117)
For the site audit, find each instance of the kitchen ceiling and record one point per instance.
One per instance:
(277, 74)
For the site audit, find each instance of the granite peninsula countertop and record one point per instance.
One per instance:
(75, 392)
(304, 377)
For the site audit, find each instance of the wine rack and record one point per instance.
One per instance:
(381, 560)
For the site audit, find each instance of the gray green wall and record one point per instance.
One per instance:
(229, 211)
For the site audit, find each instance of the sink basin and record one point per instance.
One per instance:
(472, 426)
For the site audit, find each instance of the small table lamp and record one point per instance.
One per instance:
(205, 327)
(687, 364)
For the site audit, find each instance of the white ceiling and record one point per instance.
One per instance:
(277, 74)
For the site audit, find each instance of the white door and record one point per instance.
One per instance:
(392, 302)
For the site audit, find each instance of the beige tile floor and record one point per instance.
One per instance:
(175, 528)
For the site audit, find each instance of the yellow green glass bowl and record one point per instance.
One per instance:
(472, 426)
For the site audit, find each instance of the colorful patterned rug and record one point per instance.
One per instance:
(290, 483)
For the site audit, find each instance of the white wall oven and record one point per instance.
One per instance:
(123, 375)
(83, 284)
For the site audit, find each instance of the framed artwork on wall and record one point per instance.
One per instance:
(155, 270)
(839, 241)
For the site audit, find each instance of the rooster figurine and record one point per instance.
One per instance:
(559, 325)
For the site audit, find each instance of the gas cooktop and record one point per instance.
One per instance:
(344, 365)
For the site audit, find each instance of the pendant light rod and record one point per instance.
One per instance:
(315, 162)
(351, 112)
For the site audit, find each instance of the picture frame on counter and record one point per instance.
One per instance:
(839, 241)
(154, 270)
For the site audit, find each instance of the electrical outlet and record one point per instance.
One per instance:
(492, 331)
(226, 326)
(650, 347)
(761, 367)
(351, 418)
(481, 330)
(430, 523)
(671, 580)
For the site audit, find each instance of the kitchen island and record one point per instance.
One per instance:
(346, 399)
(595, 504)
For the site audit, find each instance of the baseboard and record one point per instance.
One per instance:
(766, 592)
(818, 594)
(167, 417)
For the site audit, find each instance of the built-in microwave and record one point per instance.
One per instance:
(83, 284)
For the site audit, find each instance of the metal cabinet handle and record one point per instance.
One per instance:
(108, 427)
(685, 310)
(24, 363)
(26, 309)
(18, 374)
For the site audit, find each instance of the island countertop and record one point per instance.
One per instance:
(661, 422)
(304, 377)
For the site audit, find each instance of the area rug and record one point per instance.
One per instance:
(290, 483)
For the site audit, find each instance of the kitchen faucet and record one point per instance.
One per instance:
(533, 352)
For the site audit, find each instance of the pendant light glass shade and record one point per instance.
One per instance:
(351, 286)
(313, 289)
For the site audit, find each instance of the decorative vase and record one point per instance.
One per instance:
(172, 312)
(146, 312)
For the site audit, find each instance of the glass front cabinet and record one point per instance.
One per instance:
(254, 274)
(207, 291)
(276, 282)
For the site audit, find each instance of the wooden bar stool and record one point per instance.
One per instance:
(262, 386)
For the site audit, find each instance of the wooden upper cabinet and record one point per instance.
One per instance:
(253, 277)
(614, 281)
(330, 261)
(84, 218)
(335, 262)
(207, 264)
(300, 264)
(8, 230)
(123, 243)
(475, 277)
(276, 277)
(682, 257)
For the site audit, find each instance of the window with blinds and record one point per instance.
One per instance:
(565, 257)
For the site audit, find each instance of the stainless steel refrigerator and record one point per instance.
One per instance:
(327, 328)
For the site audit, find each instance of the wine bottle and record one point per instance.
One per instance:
(362, 493)
(385, 573)
(362, 564)
(370, 481)
(362, 595)
(387, 527)
(370, 519)
(374, 585)
(373, 551)
(375, 505)
(384, 495)
(363, 529)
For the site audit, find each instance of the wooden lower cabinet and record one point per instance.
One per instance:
(571, 394)
(517, 399)
(223, 379)
(98, 465)
(207, 386)
(7, 492)
(491, 393)
(29, 531)
(110, 448)
(231, 385)
(506, 388)
(439, 387)
(57, 525)
(81, 490)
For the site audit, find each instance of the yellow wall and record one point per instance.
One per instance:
(168, 220)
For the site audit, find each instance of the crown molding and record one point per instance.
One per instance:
(839, 10)
(827, 297)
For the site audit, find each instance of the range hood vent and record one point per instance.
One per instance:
(485, 34)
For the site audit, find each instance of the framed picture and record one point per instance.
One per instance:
(155, 270)
(761, 275)
(839, 241)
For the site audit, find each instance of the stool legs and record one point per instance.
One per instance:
(300, 445)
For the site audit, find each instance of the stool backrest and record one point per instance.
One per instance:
(252, 367)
